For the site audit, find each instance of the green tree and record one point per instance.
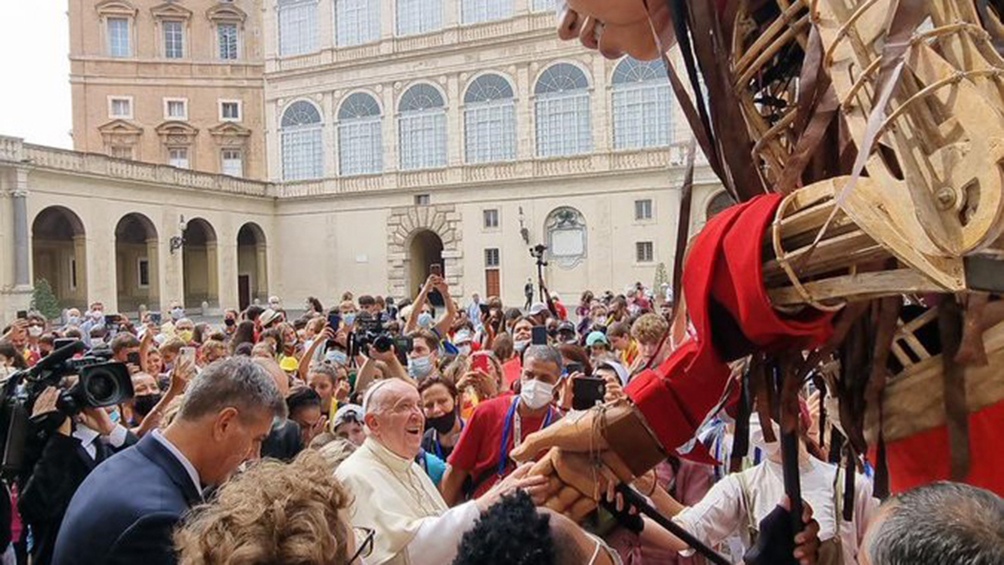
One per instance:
(43, 300)
(661, 276)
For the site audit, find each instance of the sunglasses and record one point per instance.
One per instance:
(365, 548)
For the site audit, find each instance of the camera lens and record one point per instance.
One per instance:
(102, 388)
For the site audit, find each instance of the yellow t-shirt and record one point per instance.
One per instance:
(630, 354)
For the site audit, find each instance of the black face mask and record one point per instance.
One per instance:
(133, 358)
(442, 424)
(229, 322)
(144, 403)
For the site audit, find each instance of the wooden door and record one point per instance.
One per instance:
(492, 286)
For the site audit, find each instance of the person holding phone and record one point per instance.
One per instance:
(441, 328)
(500, 424)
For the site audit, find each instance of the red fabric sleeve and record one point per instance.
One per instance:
(465, 453)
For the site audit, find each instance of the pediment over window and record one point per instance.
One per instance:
(171, 10)
(177, 133)
(120, 128)
(226, 13)
(116, 8)
(230, 134)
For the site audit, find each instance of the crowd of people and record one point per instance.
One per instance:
(379, 432)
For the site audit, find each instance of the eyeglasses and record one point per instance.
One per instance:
(364, 547)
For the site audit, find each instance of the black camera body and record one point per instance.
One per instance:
(383, 341)
(100, 383)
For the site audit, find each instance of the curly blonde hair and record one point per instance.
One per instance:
(273, 513)
(650, 328)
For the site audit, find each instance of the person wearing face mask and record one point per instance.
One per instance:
(500, 424)
(36, 327)
(737, 503)
(424, 357)
(442, 419)
(185, 330)
(72, 318)
(147, 396)
(421, 318)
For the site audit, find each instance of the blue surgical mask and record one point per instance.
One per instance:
(425, 320)
(350, 318)
(420, 367)
(177, 314)
(337, 356)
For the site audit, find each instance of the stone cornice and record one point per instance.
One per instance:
(116, 8)
(171, 10)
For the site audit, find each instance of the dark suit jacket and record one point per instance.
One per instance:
(126, 509)
(63, 466)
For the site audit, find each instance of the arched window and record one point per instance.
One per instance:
(297, 27)
(419, 16)
(642, 105)
(422, 124)
(489, 120)
(360, 143)
(477, 11)
(302, 156)
(562, 111)
(356, 22)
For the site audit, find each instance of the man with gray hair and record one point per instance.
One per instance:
(394, 497)
(127, 508)
(500, 424)
(941, 523)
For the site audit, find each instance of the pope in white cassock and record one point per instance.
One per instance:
(395, 498)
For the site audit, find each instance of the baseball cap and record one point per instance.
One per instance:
(595, 338)
(348, 413)
(566, 326)
(537, 308)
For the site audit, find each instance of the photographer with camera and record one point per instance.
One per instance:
(76, 447)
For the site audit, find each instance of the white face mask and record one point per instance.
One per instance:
(536, 394)
(464, 349)
(757, 440)
(521, 345)
(35, 331)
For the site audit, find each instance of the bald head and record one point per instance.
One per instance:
(394, 416)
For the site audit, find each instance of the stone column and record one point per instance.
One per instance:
(22, 276)
(213, 266)
(102, 262)
(153, 264)
(261, 275)
(86, 295)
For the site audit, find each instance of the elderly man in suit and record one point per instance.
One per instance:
(126, 509)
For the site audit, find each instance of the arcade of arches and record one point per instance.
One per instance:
(59, 245)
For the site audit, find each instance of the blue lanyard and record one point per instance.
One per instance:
(507, 429)
(439, 446)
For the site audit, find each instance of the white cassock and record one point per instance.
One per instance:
(395, 498)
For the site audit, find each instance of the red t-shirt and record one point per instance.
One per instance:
(512, 370)
(477, 451)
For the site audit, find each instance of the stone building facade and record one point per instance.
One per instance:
(385, 136)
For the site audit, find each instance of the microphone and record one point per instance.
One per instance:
(57, 358)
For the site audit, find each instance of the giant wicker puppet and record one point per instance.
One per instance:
(864, 251)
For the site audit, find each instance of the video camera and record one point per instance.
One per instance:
(369, 333)
(100, 383)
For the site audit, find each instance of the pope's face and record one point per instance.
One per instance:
(400, 423)
(616, 27)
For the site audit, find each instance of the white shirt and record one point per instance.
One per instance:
(192, 472)
(394, 497)
(88, 436)
(722, 512)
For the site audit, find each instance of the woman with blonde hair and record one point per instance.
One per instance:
(294, 514)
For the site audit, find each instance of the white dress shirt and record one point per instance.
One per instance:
(192, 472)
(87, 437)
